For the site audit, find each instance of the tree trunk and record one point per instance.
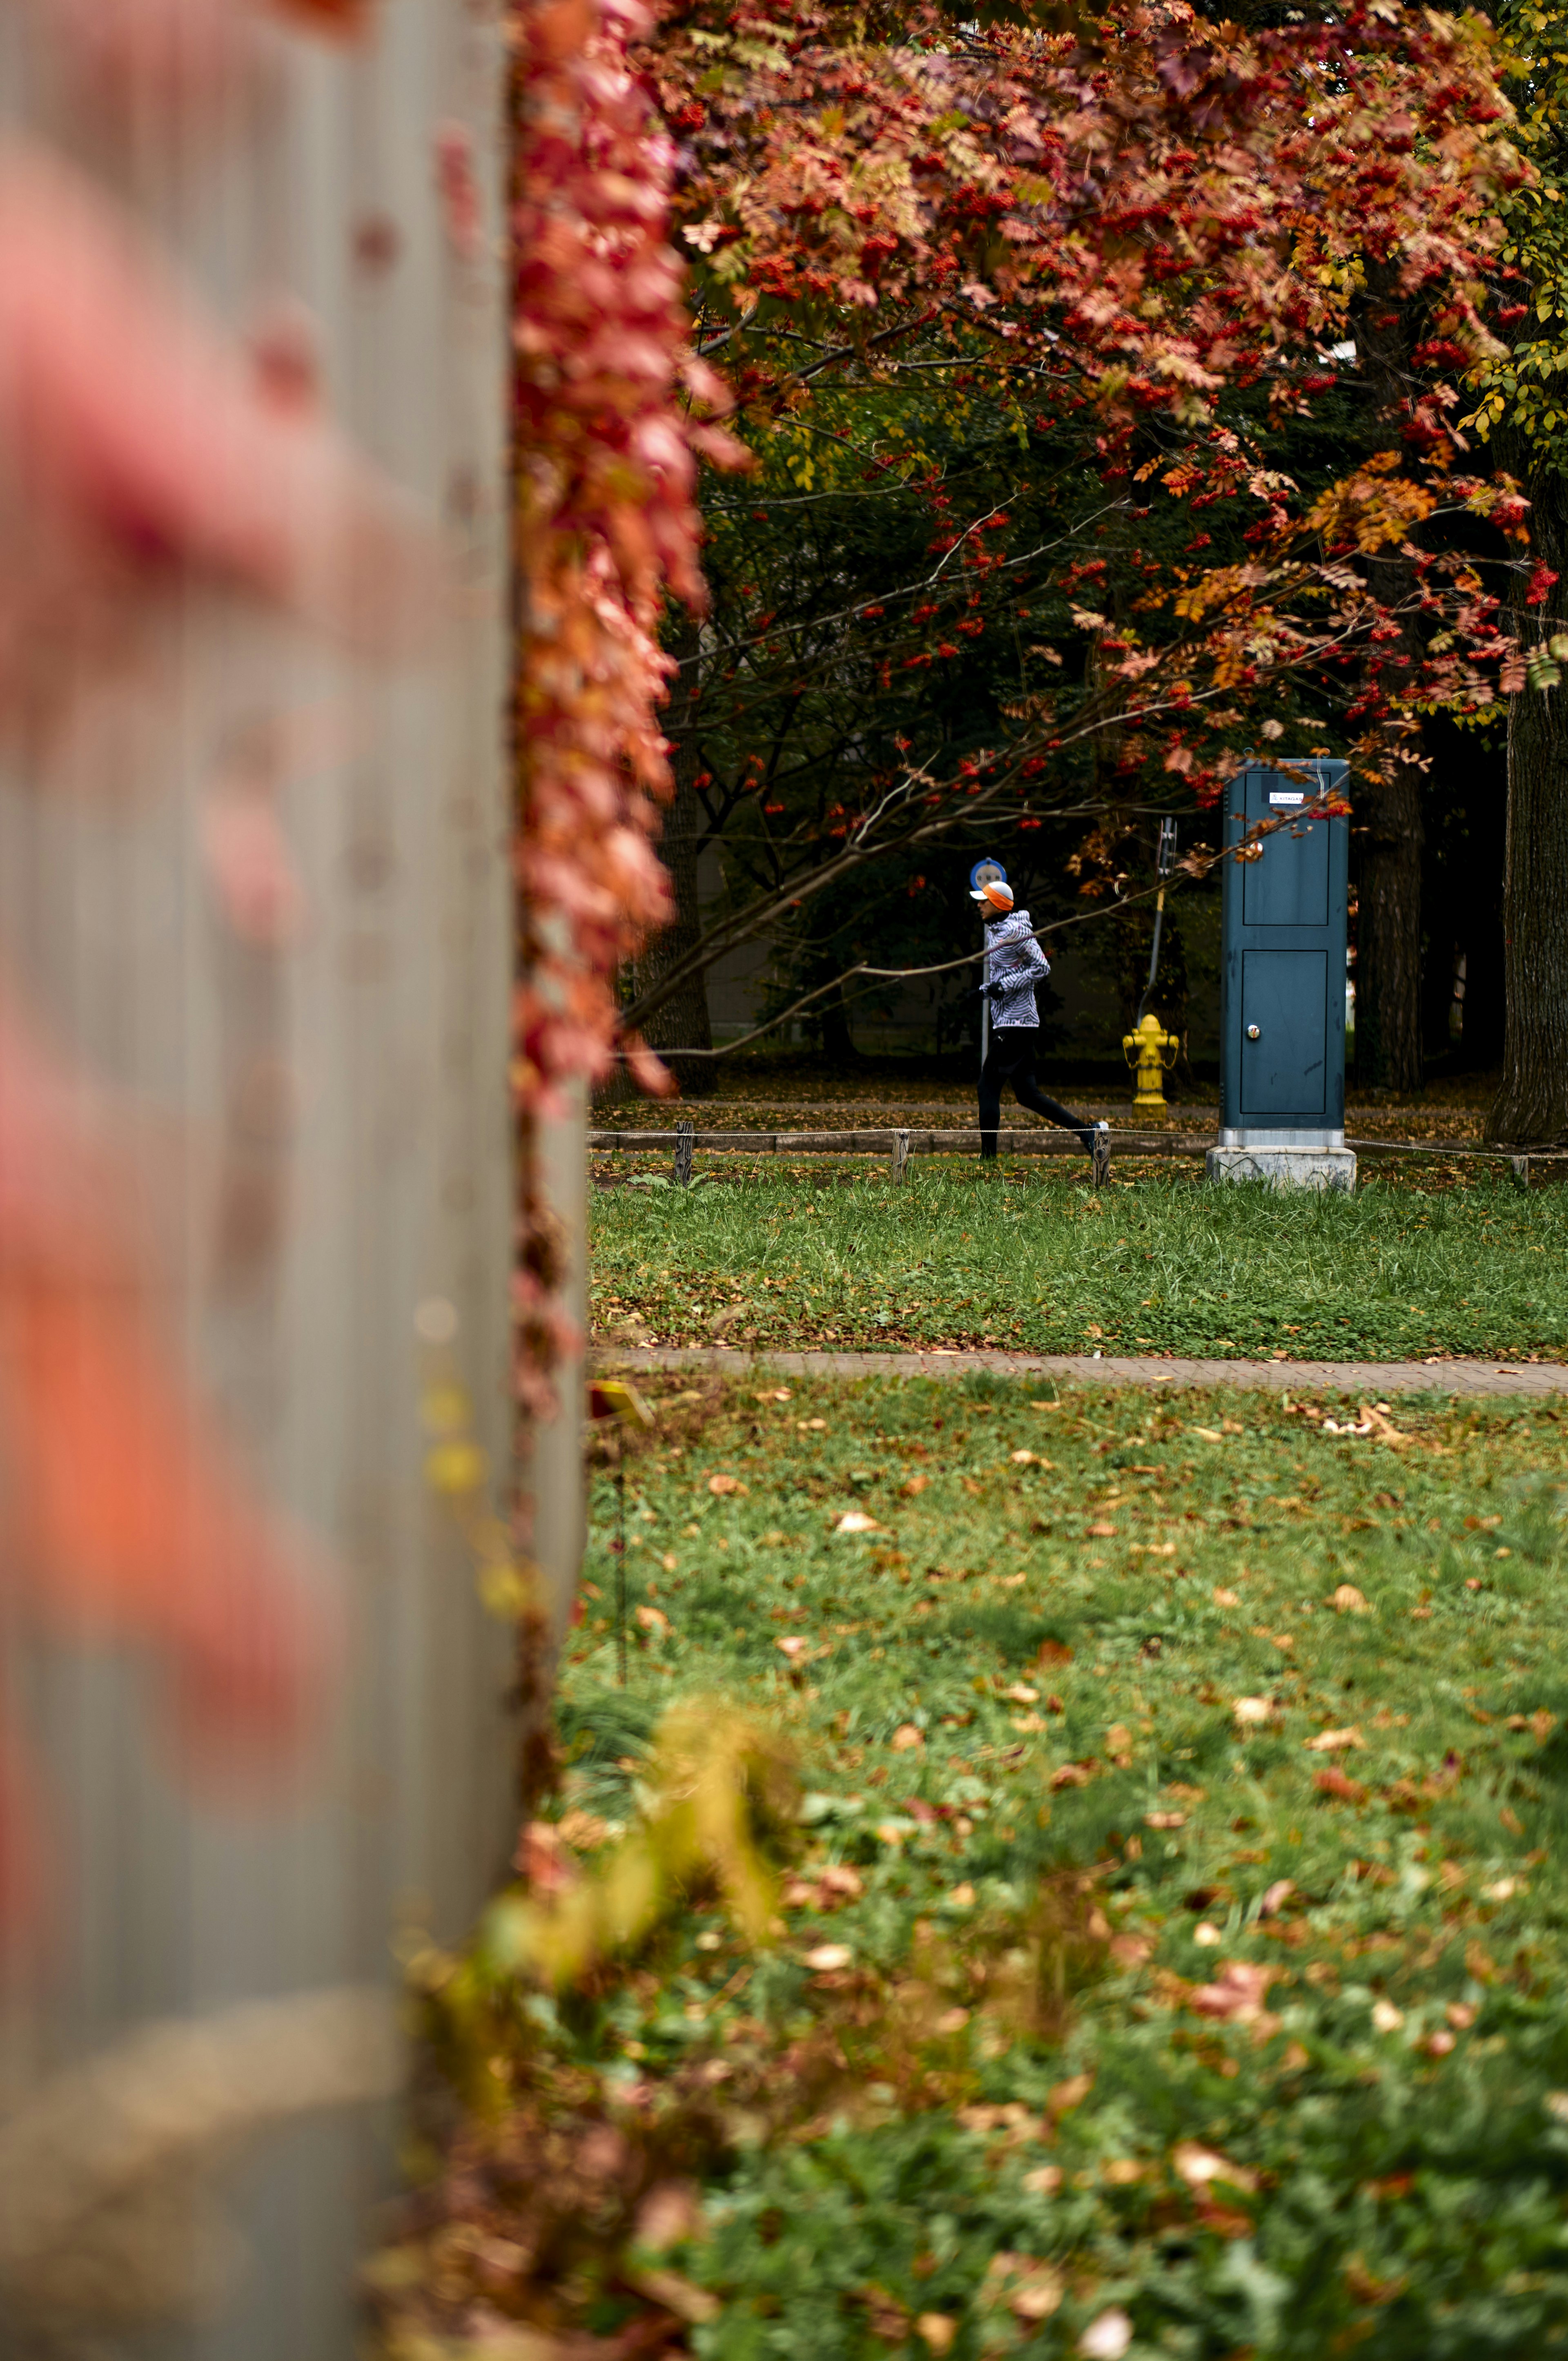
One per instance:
(1389, 936)
(838, 1041)
(1532, 1105)
(1464, 803)
(682, 1022)
(1485, 1021)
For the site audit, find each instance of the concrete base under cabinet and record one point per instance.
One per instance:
(1285, 1168)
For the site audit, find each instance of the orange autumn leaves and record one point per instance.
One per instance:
(609, 414)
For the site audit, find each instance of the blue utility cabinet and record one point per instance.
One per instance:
(1282, 975)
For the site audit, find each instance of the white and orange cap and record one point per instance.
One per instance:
(996, 891)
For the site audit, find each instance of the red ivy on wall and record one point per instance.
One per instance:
(608, 418)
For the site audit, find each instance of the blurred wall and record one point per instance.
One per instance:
(311, 1139)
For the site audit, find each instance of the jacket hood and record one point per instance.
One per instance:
(1010, 929)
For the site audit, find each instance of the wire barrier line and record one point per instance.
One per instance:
(878, 1140)
(901, 1144)
(882, 1134)
(730, 934)
(1499, 1155)
(1361, 1379)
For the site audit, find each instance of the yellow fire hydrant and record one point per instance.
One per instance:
(1150, 1049)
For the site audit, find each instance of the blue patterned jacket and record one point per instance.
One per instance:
(1014, 963)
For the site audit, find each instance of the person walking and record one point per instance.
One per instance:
(1014, 964)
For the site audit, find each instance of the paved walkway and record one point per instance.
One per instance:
(1528, 1378)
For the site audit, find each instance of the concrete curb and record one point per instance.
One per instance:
(1533, 1379)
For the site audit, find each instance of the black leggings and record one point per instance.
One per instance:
(1011, 1058)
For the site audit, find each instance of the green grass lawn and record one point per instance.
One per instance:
(1039, 1263)
(1172, 1950)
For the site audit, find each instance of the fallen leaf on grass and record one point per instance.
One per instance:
(1071, 1774)
(1208, 1433)
(1541, 1723)
(1252, 1712)
(906, 1738)
(1046, 2178)
(1386, 2016)
(1238, 1994)
(1107, 2338)
(886, 2316)
(1102, 1531)
(937, 2329)
(1365, 2289)
(1348, 1600)
(1028, 1723)
(794, 1647)
(583, 1830)
(855, 1520)
(669, 2212)
(1013, 2118)
(693, 2304)
(1130, 1951)
(1030, 1459)
(1334, 1741)
(1022, 1694)
(1199, 2166)
(655, 1622)
(1037, 2288)
(1069, 2095)
(953, 2020)
(1336, 1782)
(723, 1484)
(832, 1886)
(1053, 1652)
(828, 1956)
(1223, 1598)
(543, 1858)
(961, 1897)
(914, 1486)
(1275, 1896)
(1164, 1819)
(1376, 1416)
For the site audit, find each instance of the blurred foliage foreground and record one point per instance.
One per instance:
(1117, 1908)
